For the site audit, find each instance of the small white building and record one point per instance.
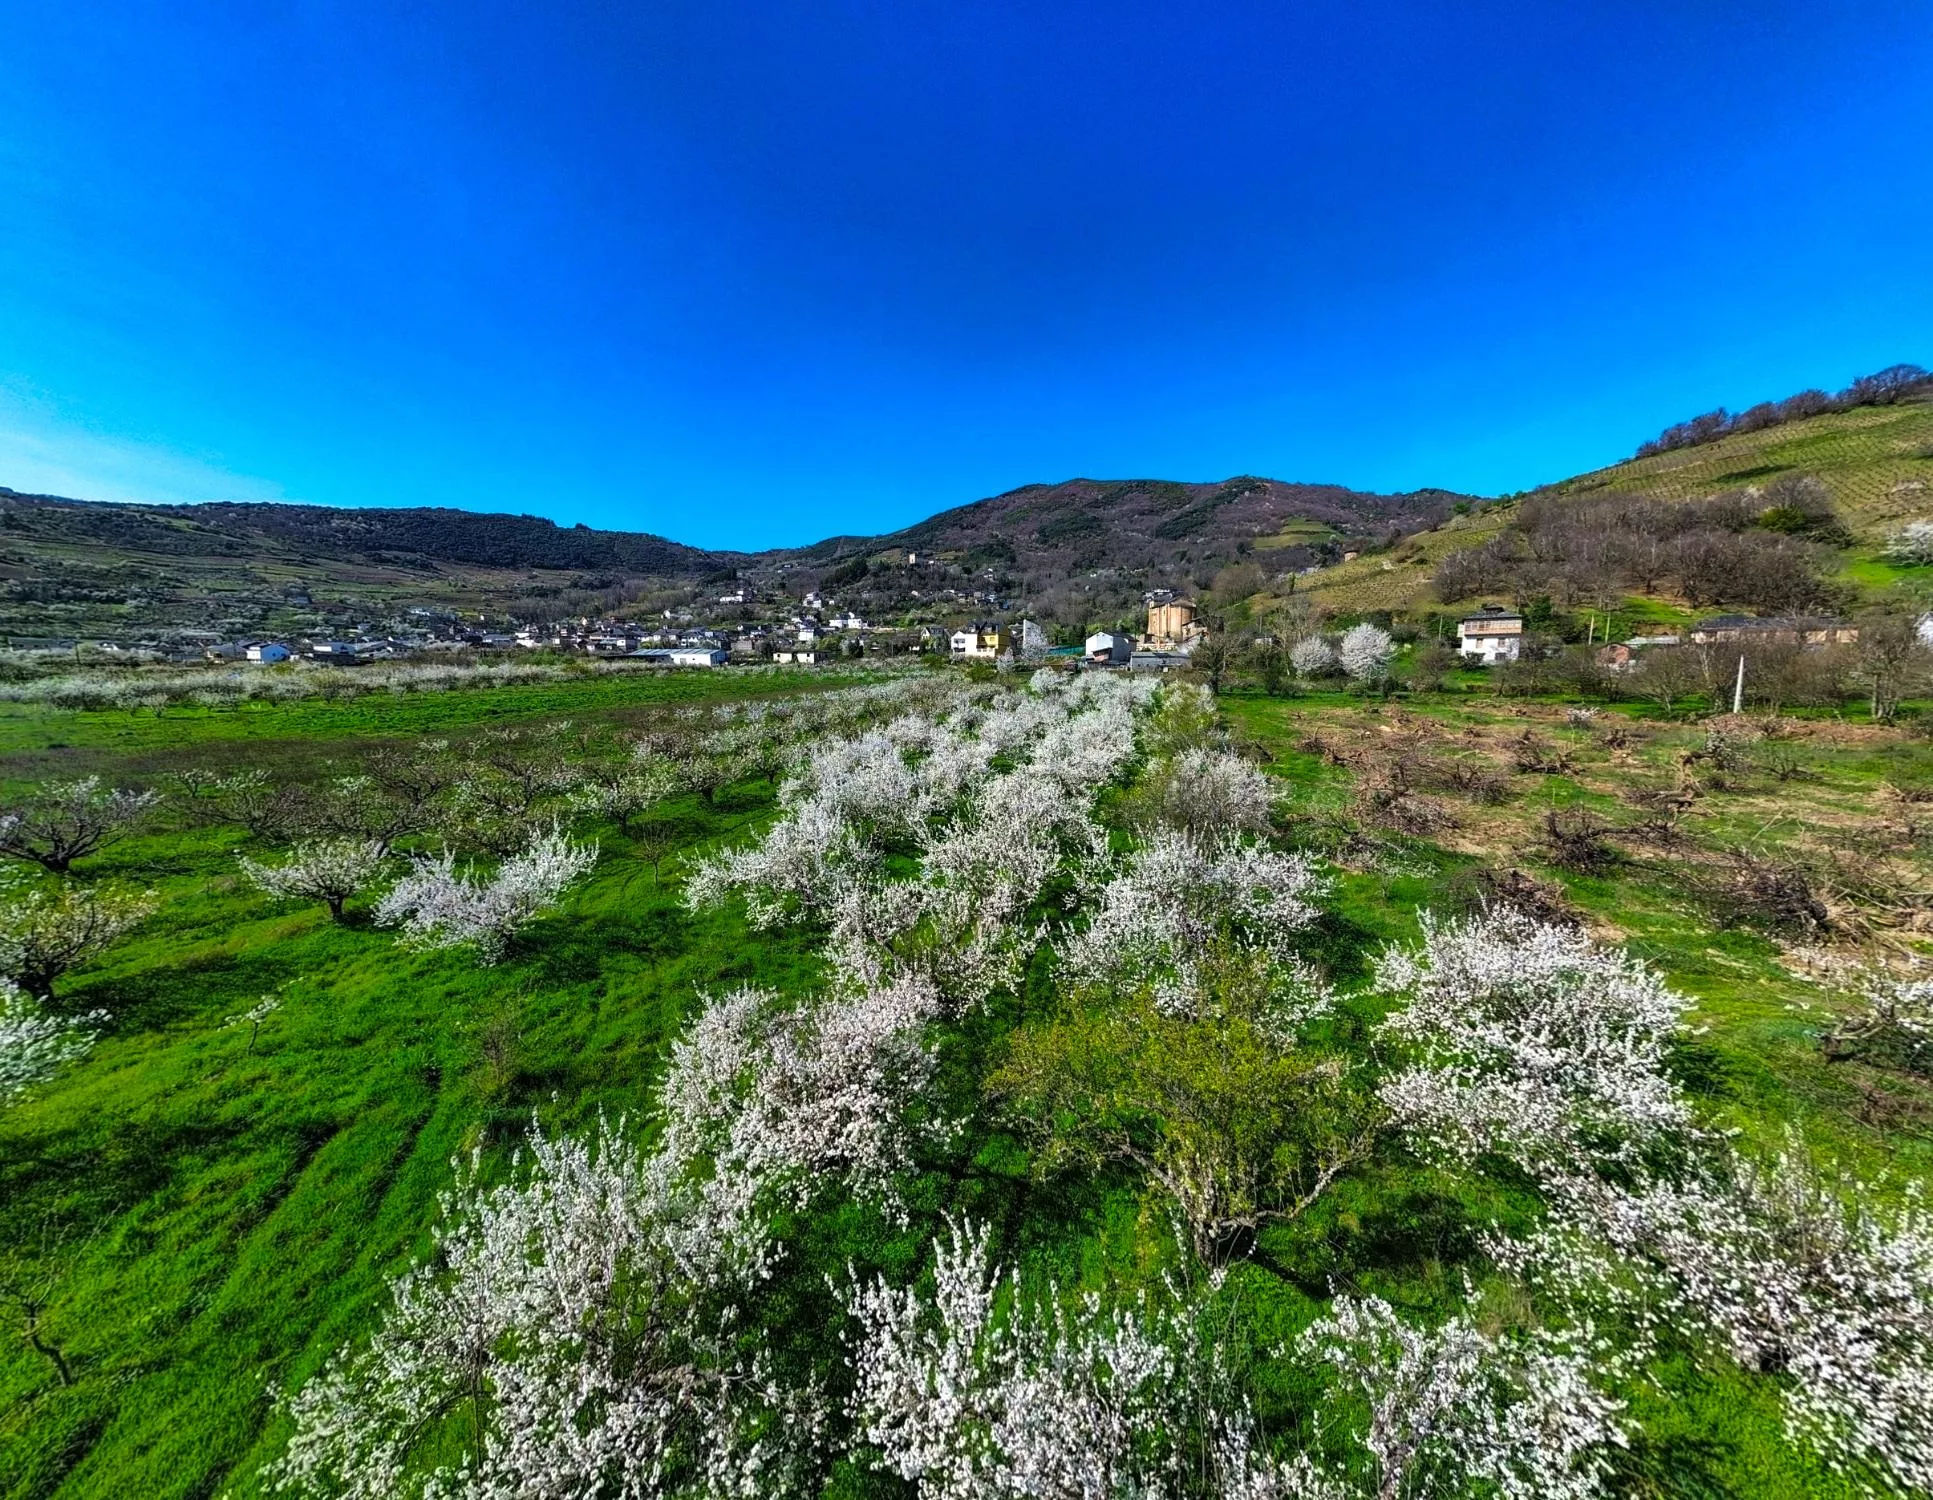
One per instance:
(1491, 635)
(799, 658)
(697, 656)
(1109, 648)
(268, 651)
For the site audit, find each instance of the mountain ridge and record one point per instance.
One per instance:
(1173, 510)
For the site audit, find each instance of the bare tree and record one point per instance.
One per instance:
(1668, 676)
(1891, 660)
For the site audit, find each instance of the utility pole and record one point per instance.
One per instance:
(1738, 688)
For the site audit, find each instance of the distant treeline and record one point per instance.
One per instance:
(406, 536)
(1766, 550)
(1892, 384)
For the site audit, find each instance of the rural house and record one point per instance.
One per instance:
(1784, 630)
(1491, 635)
(979, 641)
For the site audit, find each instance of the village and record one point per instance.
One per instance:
(820, 632)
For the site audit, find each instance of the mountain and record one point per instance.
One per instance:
(411, 536)
(1086, 524)
(73, 567)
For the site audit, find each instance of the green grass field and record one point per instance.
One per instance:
(221, 1203)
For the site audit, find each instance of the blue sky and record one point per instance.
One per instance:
(749, 275)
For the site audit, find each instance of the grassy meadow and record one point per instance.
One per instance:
(212, 1204)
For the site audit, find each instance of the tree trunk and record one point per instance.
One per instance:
(51, 1351)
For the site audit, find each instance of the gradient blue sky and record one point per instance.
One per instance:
(749, 275)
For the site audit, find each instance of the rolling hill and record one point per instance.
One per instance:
(1876, 462)
(1078, 550)
(72, 567)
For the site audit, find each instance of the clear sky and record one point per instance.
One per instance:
(748, 275)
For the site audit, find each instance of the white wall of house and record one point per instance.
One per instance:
(1489, 649)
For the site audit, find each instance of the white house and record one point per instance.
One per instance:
(979, 641)
(1491, 635)
(697, 656)
(1109, 648)
(268, 651)
(800, 658)
(847, 621)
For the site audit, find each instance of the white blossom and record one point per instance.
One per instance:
(1529, 1040)
(763, 1105)
(1210, 794)
(438, 907)
(34, 1045)
(977, 1395)
(1175, 899)
(1365, 650)
(1788, 1273)
(63, 821)
(1450, 1407)
(1312, 656)
(326, 870)
(961, 923)
(46, 932)
(553, 1323)
(1912, 544)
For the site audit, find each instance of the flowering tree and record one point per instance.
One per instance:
(68, 820)
(927, 783)
(1912, 544)
(1527, 1039)
(34, 1045)
(1452, 1409)
(1176, 900)
(1364, 652)
(437, 907)
(1788, 1273)
(326, 870)
(764, 1106)
(549, 1346)
(1312, 656)
(961, 925)
(624, 791)
(1890, 1021)
(1210, 794)
(969, 1398)
(44, 933)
